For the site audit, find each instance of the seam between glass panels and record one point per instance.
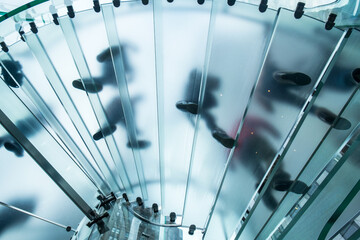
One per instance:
(74, 160)
(350, 144)
(311, 157)
(69, 106)
(44, 164)
(119, 69)
(160, 112)
(73, 43)
(264, 184)
(52, 120)
(223, 175)
(213, 14)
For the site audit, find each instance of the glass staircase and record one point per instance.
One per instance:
(180, 119)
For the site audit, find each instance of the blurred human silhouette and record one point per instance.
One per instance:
(114, 110)
(255, 152)
(115, 115)
(10, 218)
(284, 87)
(145, 230)
(108, 75)
(191, 98)
(28, 126)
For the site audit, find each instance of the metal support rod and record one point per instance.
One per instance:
(67, 228)
(45, 165)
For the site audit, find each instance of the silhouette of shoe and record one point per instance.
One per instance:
(293, 78)
(186, 106)
(223, 138)
(106, 132)
(269, 200)
(141, 144)
(356, 75)
(329, 117)
(90, 87)
(106, 54)
(299, 187)
(15, 148)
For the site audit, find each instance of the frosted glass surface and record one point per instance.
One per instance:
(139, 63)
(77, 107)
(183, 35)
(318, 161)
(339, 86)
(234, 65)
(313, 220)
(25, 185)
(47, 146)
(274, 110)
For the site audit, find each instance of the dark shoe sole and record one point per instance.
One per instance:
(293, 78)
(106, 132)
(223, 138)
(15, 148)
(186, 106)
(90, 88)
(329, 118)
(141, 144)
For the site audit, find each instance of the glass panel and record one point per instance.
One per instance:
(225, 86)
(181, 33)
(91, 86)
(46, 144)
(25, 185)
(312, 221)
(138, 59)
(340, 86)
(48, 40)
(12, 75)
(288, 76)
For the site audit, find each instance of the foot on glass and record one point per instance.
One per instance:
(107, 54)
(293, 78)
(299, 187)
(186, 106)
(90, 88)
(15, 148)
(141, 144)
(106, 132)
(329, 117)
(223, 138)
